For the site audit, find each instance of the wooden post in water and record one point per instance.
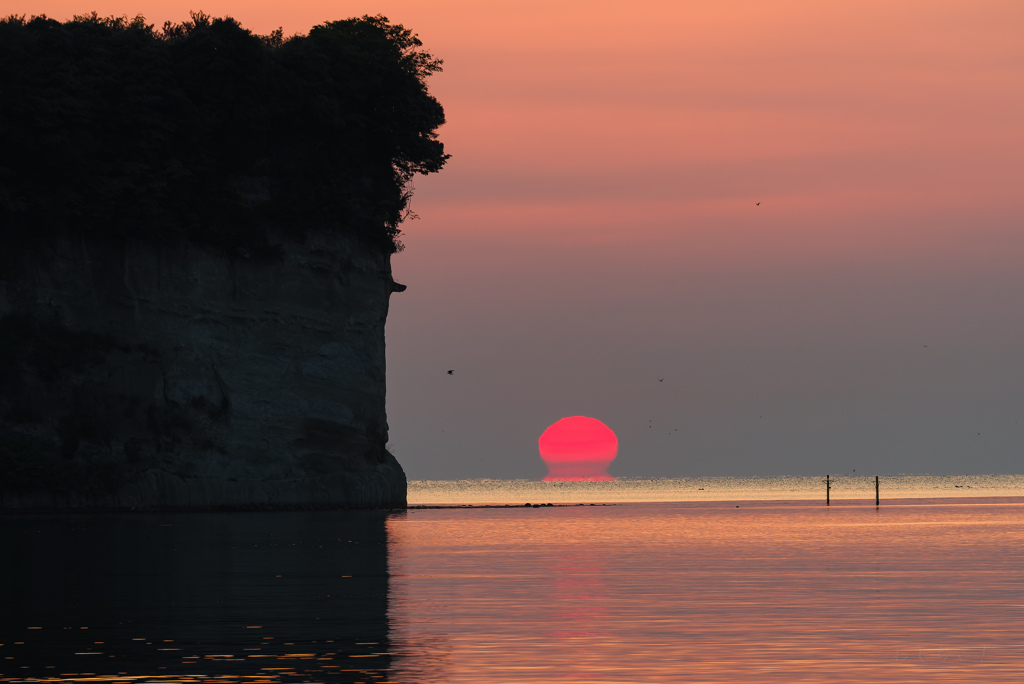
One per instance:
(876, 490)
(828, 491)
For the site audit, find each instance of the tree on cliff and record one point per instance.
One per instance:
(206, 131)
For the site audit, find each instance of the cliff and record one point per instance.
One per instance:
(145, 375)
(196, 225)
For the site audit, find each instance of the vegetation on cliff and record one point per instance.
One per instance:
(205, 131)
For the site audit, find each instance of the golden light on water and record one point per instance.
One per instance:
(714, 592)
(916, 591)
(845, 489)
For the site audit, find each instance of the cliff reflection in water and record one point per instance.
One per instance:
(195, 597)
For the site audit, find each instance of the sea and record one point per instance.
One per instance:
(740, 580)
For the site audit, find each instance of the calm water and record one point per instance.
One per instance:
(844, 487)
(919, 590)
(220, 597)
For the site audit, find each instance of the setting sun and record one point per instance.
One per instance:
(578, 448)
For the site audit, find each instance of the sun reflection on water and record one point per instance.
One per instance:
(748, 590)
(710, 592)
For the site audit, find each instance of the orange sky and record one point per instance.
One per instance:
(607, 161)
(609, 110)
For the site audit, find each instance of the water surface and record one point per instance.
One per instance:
(194, 597)
(710, 592)
(848, 486)
(608, 587)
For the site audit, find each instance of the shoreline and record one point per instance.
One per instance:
(844, 490)
(756, 503)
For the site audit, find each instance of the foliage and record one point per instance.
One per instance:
(203, 130)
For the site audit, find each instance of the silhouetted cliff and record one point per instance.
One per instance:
(194, 283)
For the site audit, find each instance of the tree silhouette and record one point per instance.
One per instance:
(203, 130)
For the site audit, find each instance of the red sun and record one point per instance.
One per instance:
(578, 448)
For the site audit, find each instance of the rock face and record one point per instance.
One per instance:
(142, 375)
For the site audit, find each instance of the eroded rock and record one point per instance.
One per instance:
(179, 377)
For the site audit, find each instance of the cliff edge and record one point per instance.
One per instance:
(196, 226)
(145, 376)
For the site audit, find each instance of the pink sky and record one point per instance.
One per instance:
(597, 229)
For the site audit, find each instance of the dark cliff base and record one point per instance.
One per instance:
(140, 376)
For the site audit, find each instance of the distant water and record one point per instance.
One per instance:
(710, 592)
(844, 487)
(758, 586)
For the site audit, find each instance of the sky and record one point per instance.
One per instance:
(765, 237)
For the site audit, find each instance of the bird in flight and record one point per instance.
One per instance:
(451, 372)
(758, 204)
(661, 379)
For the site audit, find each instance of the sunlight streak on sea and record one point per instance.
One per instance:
(921, 591)
(844, 488)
